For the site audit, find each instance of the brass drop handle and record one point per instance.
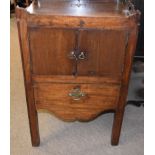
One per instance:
(82, 55)
(72, 55)
(77, 56)
(76, 93)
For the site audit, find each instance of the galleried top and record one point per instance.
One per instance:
(83, 8)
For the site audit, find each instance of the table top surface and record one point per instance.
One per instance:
(83, 8)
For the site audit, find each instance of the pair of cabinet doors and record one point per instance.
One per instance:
(81, 52)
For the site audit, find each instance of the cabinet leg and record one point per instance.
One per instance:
(117, 124)
(34, 128)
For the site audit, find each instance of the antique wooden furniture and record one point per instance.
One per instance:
(77, 57)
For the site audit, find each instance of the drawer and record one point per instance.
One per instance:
(76, 101)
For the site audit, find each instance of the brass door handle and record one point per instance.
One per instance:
(72, 55)
(76, 93)
(82, 55)
(77, 56)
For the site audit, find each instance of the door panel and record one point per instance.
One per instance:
(49, 49)
(105, 52)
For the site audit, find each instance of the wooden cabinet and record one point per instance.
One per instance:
(77, 57)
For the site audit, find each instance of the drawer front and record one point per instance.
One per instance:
(80, 52)
(76, 101)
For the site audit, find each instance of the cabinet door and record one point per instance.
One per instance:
(49, 49)
(105, 50)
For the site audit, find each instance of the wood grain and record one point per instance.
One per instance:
(76, 79)
(105, 21)
(54, 45)
(25, 54)
(55, 98)
(88, 8)
(118, 117)
(50, 49)
(48, 32)
(105, 52)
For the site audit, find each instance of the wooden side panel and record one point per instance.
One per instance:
(25, 54)
(119, 113)
(55, 98)
(49, 50)
(105, 51)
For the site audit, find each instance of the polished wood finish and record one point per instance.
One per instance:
(115, 18)
(45, 58)
(77, 79)
(118, 117)
(89, 8)
(32, 111)
(54, 45)
(97, 52)
(55, 98)
(77, 58)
